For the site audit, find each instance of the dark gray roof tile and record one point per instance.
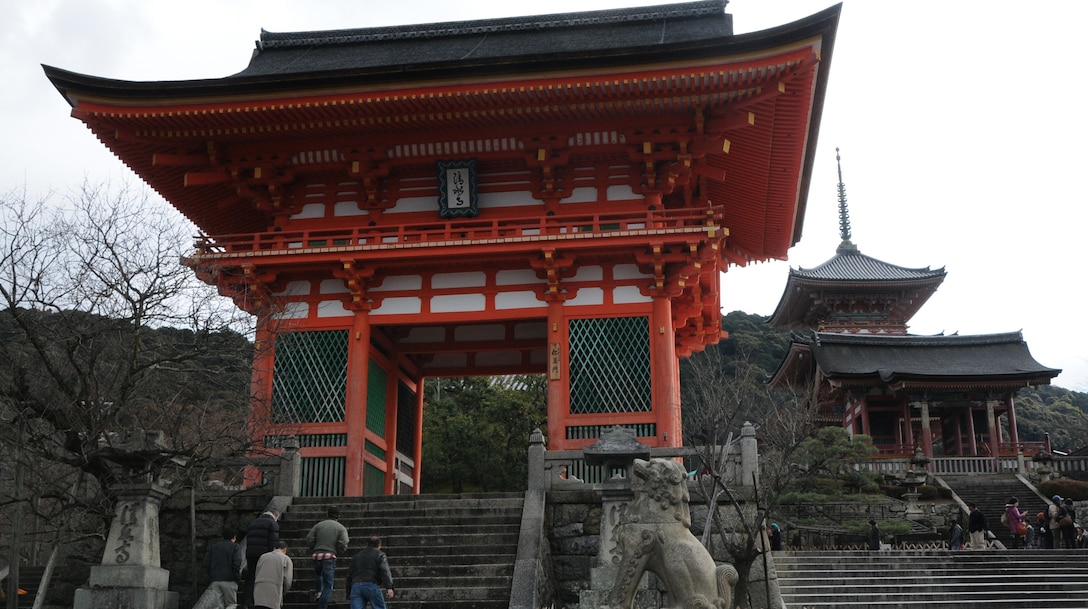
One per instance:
(490, 39)
(851, 265)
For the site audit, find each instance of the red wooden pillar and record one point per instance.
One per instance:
(417, 449)
(665, 385)
(392, 386)
(558, 374)
(355, 402)
(260, 419)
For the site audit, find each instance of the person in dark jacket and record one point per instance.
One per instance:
(874, 536)
(955, 537)
(977, 527)
(261, 538)
(367, 575)
(224, 563)
(1069, 531)
(775, 535)
(1042, 531)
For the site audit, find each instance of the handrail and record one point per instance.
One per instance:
(466, 231)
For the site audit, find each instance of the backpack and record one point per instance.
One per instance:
(1063, 518)
(1005, 517)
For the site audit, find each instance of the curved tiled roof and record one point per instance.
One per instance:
(979, 359)
(846, 272)
(848, 264)
(596, 32)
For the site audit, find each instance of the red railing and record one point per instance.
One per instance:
(468, 231)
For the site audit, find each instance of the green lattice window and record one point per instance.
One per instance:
(610, 365)
(309, 378)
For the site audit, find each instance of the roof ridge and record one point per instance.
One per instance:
(280, 40)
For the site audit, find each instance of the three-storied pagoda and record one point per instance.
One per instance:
(943, 394)
(555, 195)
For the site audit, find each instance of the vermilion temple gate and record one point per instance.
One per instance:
(554, 195)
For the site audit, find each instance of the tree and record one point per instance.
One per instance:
(722, 392)
(102, 330)
(475, 431)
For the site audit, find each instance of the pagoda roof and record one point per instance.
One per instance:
(953, 361)
(347, 100)
(851, 271)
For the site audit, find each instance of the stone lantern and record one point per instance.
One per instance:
(916, 475)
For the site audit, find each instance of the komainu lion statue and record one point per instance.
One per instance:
(654, 535)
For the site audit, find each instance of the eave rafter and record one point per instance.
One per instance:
(609, 96)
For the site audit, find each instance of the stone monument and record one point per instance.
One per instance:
(131, 575)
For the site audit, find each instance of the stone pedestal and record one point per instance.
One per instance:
(131, 575)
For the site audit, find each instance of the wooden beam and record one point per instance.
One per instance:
(204, 178)
(164, 158)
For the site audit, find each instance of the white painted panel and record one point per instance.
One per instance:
(478, 333)
(517, 300)
(348, 208)
(397, 283)
(333, 308)
(628, 271)
(518, 198)
(399, 306)
(455, 303)
(518, 277)
(333, 286)
(588, 273)
(582, 195)
(621, 192)
(587, 296)
(311, 210)
(412, 204)
(294, 310)
(627, 294)
(295, 288)
(475, 279)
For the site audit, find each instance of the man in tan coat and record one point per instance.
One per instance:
(274, 574)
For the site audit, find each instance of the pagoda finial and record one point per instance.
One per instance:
(844, 212)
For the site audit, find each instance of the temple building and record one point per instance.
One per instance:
(947, 395)
(553, 195)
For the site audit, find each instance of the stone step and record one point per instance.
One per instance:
(448, 551)
(933, 578)
(900, 586)
(962, 601)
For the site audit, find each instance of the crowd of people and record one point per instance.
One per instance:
(259, 577)
(1054, 527)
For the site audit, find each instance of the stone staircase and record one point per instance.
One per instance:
(445, 551)
(989, 493)
(936, 579)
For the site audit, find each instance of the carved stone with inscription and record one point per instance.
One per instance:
(131, 574)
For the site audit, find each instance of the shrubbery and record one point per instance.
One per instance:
(1067, 488)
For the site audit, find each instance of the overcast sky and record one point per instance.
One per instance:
(961, 126)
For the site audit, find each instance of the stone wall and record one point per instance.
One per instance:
(181, 554)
